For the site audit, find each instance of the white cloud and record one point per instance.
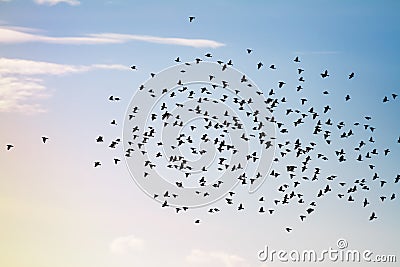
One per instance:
(29, 67)
(12, 35)
(215, 259)
(126, 244)
(55, 2)
(160, 40)
(21, 83)
(15, 93)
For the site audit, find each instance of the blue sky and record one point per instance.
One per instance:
(61, 60)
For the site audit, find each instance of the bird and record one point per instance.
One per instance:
(44, 139)
(133, 67)
(324, 74)
(297, 59)
(97, 164)
(197, 221)
(259, 65)
(249, 50)
(351, 75)
(9, 146)
(373, 216)
(191, 18)
(113, 98)
(288, 229)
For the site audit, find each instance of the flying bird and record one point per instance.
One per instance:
(324, 74)
(9, 146)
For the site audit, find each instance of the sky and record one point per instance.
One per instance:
(60, 60)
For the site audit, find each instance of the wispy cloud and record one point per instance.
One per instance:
(160, 40)
(16, 66)
(215, 258)
(316, 52)
(12, 35)
(126, 244)
(55, 2)
(15, 93)
(21, 82)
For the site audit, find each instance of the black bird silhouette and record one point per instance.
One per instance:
(324, 74)
(191, 18)
(9, 146)
(372, 217)
(44, 139)
(351, 75)
(113, 98)
(297, 59)
(365, 202)
(97, 163)
(249, 50)
(133, 67)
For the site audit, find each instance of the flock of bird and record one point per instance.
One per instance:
(297, 162)
(335, 134)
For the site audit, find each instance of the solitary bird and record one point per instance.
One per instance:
(372, 217)
(324, 74)
(351, 75)
(9, 147)
(191, 18)
(44, 139)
